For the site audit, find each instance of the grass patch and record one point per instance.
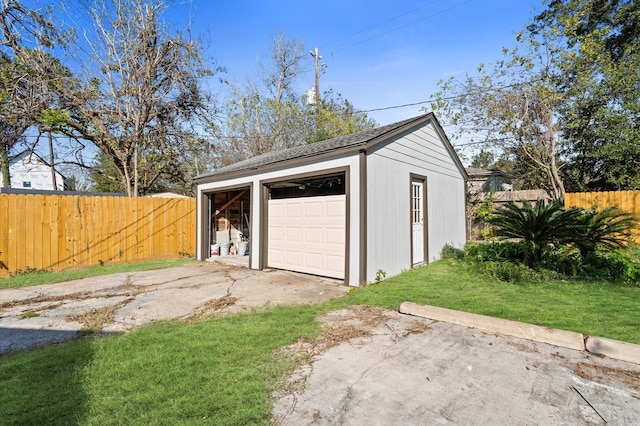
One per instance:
(37, 277)
(597, 308)
(223, 370)
(212, 372)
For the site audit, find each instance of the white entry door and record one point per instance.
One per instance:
(417, 221)
(308, 235)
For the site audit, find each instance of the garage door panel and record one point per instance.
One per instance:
(335, 209)
(293, 234)
(277, 255)
(313, 260)
(335, 263)
(308, 235)
(313, 235)
(294, 258)
(276, 233)
(334, 236)
(293, 210)
(313, 209)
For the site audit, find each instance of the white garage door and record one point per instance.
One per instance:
(308, 235)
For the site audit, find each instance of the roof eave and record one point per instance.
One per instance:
(298, 161)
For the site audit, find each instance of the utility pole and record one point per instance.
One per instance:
(317, 58)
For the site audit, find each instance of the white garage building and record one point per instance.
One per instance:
(385, 199)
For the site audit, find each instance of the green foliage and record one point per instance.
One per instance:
(607, 228)
(509, 272)
(380, 275)
(336, 117)
(451, 252)
(105, 176)
(483, 212)
(600, 46)
(540, 227)
(614, 266)
(38, 277)
(495, 251)
(29, 271)
(536, 225)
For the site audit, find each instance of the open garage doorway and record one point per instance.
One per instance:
(229, 224)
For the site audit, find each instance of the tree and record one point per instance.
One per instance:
(267, 115)
(27, 73)
(601, 113)
(336, 116)
(139, 103)
(513, 105)
(483, 160)
(270, 115)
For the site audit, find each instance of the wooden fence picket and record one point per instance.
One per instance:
(68, 231)
(628, 201)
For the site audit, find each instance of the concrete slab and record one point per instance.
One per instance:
(614, 349)
(567, 339)
(414, 371)
(172, 293)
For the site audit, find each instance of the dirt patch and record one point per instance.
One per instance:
(44, 299)
(603, 374)
(94, 320)
(358, 321)
(212, 308)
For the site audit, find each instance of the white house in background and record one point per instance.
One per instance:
(351, 207)
(29, 171)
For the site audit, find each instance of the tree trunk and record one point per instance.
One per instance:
(4, 165)
(52, 162)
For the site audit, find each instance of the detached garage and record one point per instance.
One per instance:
(351, 207)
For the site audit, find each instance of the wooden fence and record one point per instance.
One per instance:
(68, 231)
(628, 201)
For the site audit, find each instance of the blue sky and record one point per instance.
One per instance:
(377, 53)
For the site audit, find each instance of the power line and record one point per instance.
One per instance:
(379, 24)
(398, 28)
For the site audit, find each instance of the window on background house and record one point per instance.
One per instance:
(26, 184)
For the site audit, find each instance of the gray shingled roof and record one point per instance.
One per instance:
(310, 150)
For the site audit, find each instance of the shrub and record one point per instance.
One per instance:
(495, 251)
(536, 225)
(509, 272)
(608, 228)
(622, 269)
(450, 252)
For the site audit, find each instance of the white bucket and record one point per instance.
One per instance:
(243, 248)
(214, 249)
(224, 249)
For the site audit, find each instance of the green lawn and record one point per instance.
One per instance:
(222, 371)
(46, 277)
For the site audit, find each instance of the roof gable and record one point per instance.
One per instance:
(365, 139)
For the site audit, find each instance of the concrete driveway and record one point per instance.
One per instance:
(116, 303)
(379, 367)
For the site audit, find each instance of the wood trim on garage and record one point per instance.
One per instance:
(362, 279)
(205, 221)
(425, 216)
(264, 212)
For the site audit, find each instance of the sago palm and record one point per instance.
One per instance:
(537, 225)
(608, 228)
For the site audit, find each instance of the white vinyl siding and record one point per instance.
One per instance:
(389, 168)
(308, 235)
